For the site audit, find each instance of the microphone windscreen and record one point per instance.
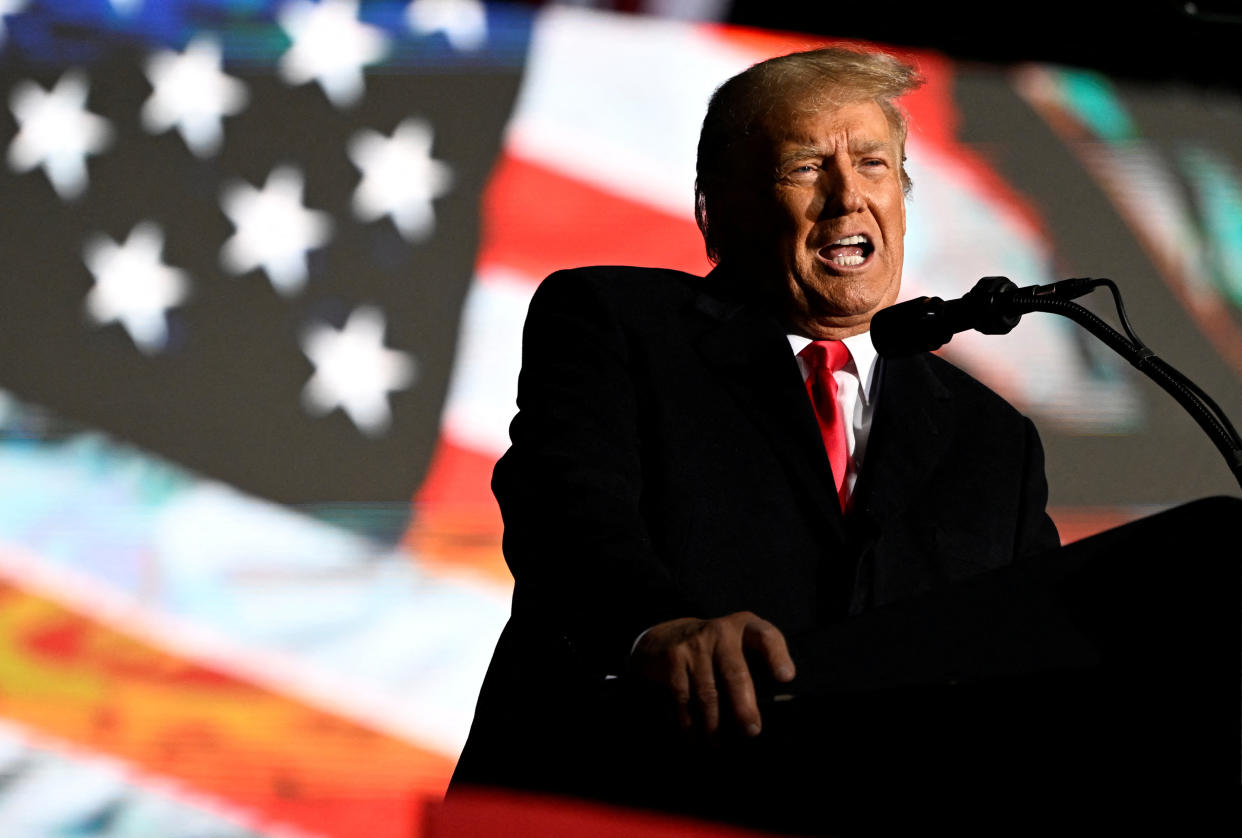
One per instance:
(908, 328)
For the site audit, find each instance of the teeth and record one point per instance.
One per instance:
(851, 259)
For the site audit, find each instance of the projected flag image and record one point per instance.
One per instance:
(263, 274)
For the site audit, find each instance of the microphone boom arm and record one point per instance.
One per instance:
(995, 305)
(1202, 408)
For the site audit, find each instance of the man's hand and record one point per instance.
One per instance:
(702, 661)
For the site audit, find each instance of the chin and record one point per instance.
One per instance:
(844, 311)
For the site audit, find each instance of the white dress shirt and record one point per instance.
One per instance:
(853, 397)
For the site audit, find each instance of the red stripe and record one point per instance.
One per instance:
(484, 813)
(537, 220)
(457, 476)
(216, 736)
(456, 523)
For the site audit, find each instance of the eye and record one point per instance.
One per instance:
(802, 173)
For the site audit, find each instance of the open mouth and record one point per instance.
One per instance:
(848, 252)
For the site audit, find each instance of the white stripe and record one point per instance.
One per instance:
(617, 101)
(482, 397)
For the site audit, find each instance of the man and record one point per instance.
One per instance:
(681, 497)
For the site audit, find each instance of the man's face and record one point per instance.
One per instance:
(832, 222)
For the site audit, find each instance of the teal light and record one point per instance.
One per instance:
(1218, 194)
(1091, 97)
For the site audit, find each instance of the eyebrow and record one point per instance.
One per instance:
(802, 152)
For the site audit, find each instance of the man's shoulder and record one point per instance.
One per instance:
(623, 281)
(952, 382)
(622, 274)
(627, 294)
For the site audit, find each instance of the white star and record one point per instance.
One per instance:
(125, 8)
(354, 371)
(10, 7)
(399, 178)
(274, 230)
(56, 132)
(133, 285)
(192, 94)
(463, 22)
(330, 46)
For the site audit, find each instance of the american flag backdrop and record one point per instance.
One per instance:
(263, 271)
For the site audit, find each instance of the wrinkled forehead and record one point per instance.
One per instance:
(808, 121)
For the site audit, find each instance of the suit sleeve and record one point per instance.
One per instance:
(570, 487)
(1035, 533)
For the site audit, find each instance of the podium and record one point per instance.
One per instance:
(1098, 684)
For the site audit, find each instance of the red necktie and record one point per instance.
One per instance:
(822, 359)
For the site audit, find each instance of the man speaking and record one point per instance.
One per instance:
(703, 468)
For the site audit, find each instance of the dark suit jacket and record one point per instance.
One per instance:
(666, 463)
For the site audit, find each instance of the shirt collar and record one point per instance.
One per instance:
(862, 356)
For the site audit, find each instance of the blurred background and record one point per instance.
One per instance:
(263, 270)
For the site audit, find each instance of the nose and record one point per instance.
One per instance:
(842, 190)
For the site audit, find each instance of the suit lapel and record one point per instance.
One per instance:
(909, 435)
(746, 346)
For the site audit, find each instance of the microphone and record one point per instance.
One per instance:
(994, 306)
